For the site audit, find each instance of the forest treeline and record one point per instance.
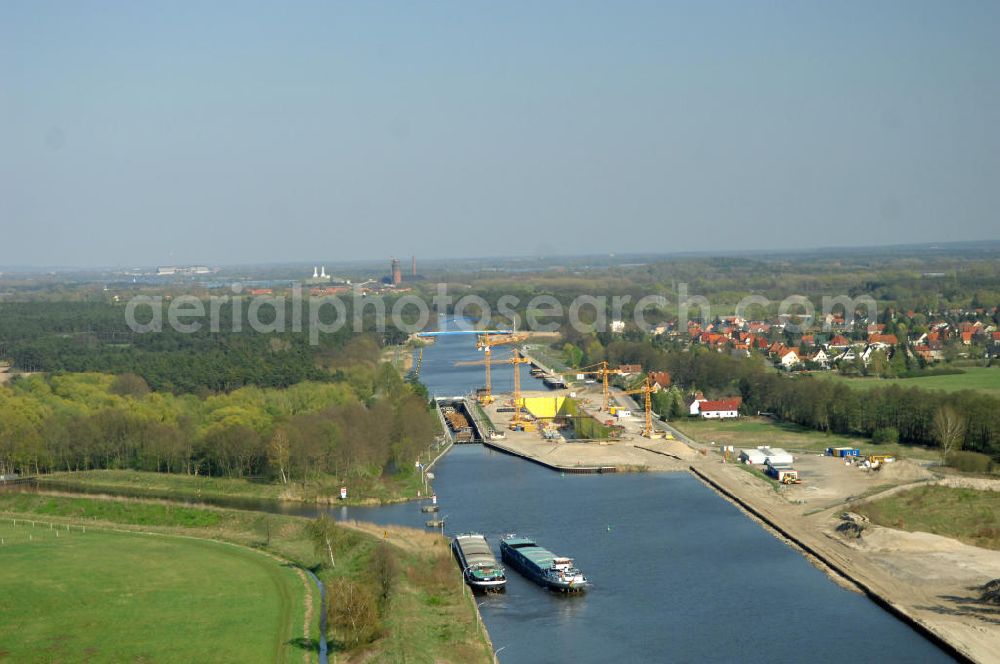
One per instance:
(95, 337)
(883, 413)
(371, 425)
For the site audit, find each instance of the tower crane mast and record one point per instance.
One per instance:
(603, 372)
(647, 391)
(486, 342)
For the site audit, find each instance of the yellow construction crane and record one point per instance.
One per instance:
(519, 422)
(647, 390)
(603, 371)
(485, 343)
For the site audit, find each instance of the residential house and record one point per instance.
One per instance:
(928, 354)
(839, 342)
(695, 406)
(882, 341)
(820, 357)
(719, 409)
(659, 380)
(788, 358)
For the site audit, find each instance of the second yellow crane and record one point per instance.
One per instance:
(519, 422)
(603, 372)
(646, 390)
(485, 343)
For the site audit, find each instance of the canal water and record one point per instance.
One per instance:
(678, 574)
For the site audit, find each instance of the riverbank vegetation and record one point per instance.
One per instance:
(403, 582)
(969, 515)
(308, 439)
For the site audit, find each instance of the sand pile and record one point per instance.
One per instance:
(677, 448)
(852, 525)
(904, 471)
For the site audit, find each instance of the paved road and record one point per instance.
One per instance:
(658, 424)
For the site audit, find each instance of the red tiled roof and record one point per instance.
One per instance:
(661, 378)
(721, 404)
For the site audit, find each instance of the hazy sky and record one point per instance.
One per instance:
(226, 132)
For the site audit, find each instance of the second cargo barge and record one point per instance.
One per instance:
(540, 565)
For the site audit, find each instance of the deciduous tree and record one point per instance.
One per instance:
(948, 428)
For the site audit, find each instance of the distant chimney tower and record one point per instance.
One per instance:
(413, 267)
(397, 274)
(315, 273)
(322, 272)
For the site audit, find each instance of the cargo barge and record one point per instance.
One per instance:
(540, 565)
(479, 567)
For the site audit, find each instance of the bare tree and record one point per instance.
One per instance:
(323, 533)
(352, 611)
(279, 453)
(948, 428)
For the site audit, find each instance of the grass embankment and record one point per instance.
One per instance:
(968, 515)
(102, 596)
(754, 431)
(427, 619)
(110, 511)
(430, 615)
(360, 491)
(980, 379)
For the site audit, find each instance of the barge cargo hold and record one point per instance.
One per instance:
(540, 565)
(479, 567)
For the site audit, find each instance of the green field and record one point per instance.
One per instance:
(981, 379)
(103, 596)
(367, 490)
(754, 431)
(964, 514)
(428, 618)
(112, 511)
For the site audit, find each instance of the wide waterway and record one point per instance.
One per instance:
(678, 574)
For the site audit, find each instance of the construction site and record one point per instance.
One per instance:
(585, 421)
(578, 425)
